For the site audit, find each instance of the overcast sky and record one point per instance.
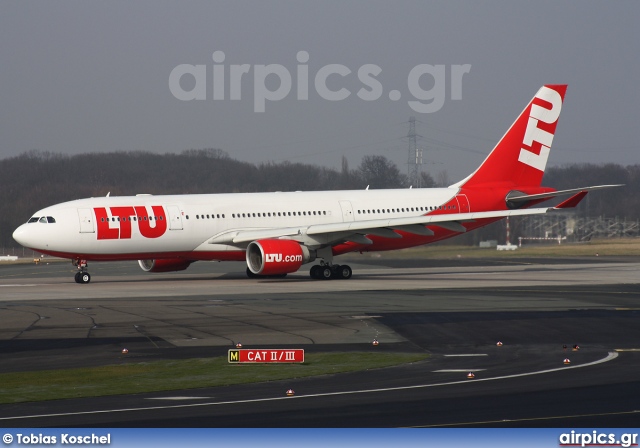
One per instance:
(83, 77)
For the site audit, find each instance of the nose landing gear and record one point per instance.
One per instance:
(82, 276)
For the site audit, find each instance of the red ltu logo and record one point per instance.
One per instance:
(117, 224)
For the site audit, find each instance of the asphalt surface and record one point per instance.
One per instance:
(445, 308)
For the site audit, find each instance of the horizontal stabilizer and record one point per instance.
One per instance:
(572, 201)
(516, 199)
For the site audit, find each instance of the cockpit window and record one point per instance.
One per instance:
(43, 219)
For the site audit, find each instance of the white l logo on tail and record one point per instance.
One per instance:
(535, 134)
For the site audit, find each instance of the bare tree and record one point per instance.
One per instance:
(380, 172)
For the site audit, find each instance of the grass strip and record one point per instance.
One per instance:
(155, 376)
(610, 247)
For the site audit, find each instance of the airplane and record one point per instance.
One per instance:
(276, 233)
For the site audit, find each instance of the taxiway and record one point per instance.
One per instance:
(457, 307)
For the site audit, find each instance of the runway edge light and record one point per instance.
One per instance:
(471, 375)
(290, 393)
(566, 361)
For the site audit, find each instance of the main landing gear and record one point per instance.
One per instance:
(326, 272)
(82, 276)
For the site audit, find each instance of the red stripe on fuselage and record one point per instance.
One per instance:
(235, 255)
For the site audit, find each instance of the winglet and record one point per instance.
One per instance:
(572, 201)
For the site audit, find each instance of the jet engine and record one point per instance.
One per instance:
(277, 257)
(164, 265)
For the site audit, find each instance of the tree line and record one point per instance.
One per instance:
(38, 179)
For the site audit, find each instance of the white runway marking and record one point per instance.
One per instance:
(470, 354)
(6, 286)
(609, 357)
(179, 398)
(457, 370)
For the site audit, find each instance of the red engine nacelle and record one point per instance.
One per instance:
(164, 265)
(276, 257)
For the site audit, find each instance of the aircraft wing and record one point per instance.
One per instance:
(325, 234)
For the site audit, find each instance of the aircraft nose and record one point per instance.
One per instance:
(20, 235)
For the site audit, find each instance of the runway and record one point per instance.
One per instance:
(445, 308)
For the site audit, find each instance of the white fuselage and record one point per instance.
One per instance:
(125, 228)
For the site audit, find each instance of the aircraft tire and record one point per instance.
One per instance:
(345, 272)
(314, 272)
(325, 272)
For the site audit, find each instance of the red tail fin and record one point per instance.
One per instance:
(520, 157)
